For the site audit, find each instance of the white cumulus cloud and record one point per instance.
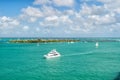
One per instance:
(8, 22)
(31, 11)
(64, 2)
(67, 3)
(26, 28)
(62, 16)
(31, 14)
(37, 2)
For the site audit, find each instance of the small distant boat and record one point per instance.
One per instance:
(52, 54)
(70, 42)
(97, 44)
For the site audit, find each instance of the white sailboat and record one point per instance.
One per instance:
(97, 44)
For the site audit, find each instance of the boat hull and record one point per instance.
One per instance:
(46, 56)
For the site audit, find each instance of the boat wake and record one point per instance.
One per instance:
(83, 53)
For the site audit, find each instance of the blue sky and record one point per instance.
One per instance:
(13, 7)
(59, 18)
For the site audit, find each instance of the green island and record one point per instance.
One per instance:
(42, 40)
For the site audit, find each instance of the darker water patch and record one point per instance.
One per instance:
(117, 77)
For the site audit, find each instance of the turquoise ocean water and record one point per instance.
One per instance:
(78, 61)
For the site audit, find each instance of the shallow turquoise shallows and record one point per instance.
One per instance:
(78, 61)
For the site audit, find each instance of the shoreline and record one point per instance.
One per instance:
(42, 40)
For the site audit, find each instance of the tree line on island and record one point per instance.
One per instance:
(42, 40)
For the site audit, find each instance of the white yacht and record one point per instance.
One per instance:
(52, 54)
